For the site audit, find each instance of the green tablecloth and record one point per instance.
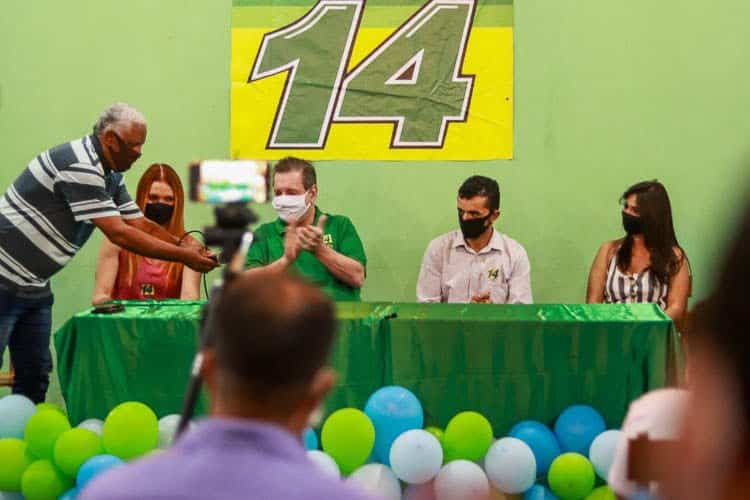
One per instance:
(507, 362)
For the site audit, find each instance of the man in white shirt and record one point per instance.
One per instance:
(475, 263)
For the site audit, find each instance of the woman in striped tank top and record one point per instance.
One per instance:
(648, 264)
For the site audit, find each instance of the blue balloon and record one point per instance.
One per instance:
(310, 439)
(15, 411)
(576, 428)
(538, 492)
(541, 440)
(393, 410)
(71, 494)
(95, 466)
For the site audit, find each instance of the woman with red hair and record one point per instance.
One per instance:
(123, 275)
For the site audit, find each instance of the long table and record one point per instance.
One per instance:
(509, 362)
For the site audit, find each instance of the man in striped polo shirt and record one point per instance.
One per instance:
(46, 216)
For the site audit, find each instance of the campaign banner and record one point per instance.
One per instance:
(372, 79)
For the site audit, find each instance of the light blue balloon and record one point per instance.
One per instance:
(392, 410)
(541, 440)
(576, 428)
(538, 492)
(602, 452)
(416, 456)
(310, 439)
(95, 466)
(11, 495)
(15, 411)
(71, 494)
(510, 465)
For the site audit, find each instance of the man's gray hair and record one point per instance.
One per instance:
(116, 116)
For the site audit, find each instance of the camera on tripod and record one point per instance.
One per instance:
(231, 185)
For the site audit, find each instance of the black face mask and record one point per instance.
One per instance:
(632, 224)
(161, 213)
(473, 228)
(125, 157)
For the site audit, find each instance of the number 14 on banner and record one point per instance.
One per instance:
(412, 79)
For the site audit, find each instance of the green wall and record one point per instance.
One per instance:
(607, 93)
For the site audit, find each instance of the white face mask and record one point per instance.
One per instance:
(290, 206)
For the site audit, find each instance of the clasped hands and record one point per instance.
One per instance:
(298, 238)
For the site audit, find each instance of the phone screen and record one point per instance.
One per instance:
(230, 181)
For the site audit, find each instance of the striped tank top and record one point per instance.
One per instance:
(636, 288)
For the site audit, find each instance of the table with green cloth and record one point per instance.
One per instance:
(508, 362)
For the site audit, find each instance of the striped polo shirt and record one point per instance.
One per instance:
(46, 214)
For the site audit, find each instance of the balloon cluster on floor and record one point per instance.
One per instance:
(43, 457)
(385, 450)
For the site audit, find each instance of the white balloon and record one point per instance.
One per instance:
(602, 451)
(167, 429)
(92, 424)
(510, 465)
(378, 480)
(324, 462)
(15, 411)
(461, 480)
(416, 456)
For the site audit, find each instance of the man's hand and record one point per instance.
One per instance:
(193, 244)
(311, 237)
(482, 298)
(190, 242)
(292, 246)
(197, 260)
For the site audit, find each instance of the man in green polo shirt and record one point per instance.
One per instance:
(323, 248)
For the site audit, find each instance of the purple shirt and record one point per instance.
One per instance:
(224, 458)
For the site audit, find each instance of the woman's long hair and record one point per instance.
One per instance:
(658, 231)
(166, 174)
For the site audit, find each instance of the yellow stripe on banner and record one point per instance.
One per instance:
(487, 134)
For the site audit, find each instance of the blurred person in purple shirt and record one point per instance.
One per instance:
(266, 374)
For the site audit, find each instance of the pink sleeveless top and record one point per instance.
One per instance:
(149, 283)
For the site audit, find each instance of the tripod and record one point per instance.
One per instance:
(230, 272)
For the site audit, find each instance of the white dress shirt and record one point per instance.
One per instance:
(453, 272)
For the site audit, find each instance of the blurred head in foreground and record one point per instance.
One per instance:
(271, 345)
(713, 457)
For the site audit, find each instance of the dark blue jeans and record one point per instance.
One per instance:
(25, 326)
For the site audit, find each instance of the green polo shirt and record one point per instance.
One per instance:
(338, 233)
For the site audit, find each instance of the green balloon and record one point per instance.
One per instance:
(13, 462)
(130, 430)
(602, 493)
(348, 437)
(437, 432)
(74, 447)
(43, 481)
(48, 406)
(42, 431)
(571, 476)
(468, 436)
